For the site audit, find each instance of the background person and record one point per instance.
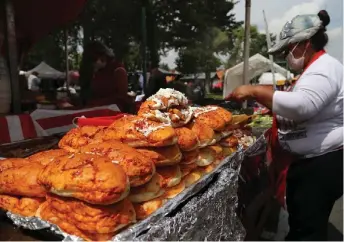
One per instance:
(310, 125)
(33, 82)
(103, 79)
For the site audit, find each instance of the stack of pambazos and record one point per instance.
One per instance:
(105, 178)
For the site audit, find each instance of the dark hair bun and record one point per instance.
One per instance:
(324, 17)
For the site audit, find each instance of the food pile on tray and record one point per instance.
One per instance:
(103, 179)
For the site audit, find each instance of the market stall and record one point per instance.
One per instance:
(191, 173)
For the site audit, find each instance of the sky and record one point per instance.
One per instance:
(278, 12)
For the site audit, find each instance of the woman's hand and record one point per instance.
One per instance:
(241, 93)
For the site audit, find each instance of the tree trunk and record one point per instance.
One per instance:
(153, 45)
(207, 82)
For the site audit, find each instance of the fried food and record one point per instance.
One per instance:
(145, 209)
(90, 178)
(167, 98)
(218, 151)
(18, 177)
(223, 113)
(231, 142)
(79, 137)
(162, 156)
(193, 177)
(149, 191)
(47, 156)
(93, 219)
(173, 116)
(139, 168)
(206, 156)
(171, 175)
(208, 115)
(205, 134)
(174, 191)
(140, 132)
(187, 140)
(20, 205)
(190, 157)
(187, 169)
(46, 212)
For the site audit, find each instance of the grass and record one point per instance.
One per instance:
(215, 96)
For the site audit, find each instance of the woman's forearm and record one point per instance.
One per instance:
(263, 95)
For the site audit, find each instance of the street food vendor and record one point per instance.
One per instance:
(103, 78)
(309, 119)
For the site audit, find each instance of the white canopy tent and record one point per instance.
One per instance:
(258, 64)
(47, 72)
(267, 78)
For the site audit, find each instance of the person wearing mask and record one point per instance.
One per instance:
(103, 79)
(309, 125)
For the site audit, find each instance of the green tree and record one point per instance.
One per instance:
(257, 45)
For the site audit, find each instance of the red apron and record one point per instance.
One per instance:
(281, 159)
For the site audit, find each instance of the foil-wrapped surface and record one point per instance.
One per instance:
(204, 211)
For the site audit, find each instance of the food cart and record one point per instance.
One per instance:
(205, 210)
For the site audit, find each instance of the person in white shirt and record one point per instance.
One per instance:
(310, 124)
(33, 81)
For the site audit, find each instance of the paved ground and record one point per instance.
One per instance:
(335, 228)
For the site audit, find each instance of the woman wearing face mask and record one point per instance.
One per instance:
(103, 80)
(308, 125)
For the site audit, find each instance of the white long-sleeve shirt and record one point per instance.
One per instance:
(310, 117)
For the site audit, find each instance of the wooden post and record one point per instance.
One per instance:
(247, 42)
(268, 41)
(67, 59)
(144, 43)
(13, 57)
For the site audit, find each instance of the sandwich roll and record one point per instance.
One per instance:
(218, 151)
(94, 219)
(23, 206)
(167, 98)
(163, 156)
(227, 151)
(206, 157)
(187, 140)
(140, 132)
(49, 214)
(190, 157)
(209, 116)
(171, 175)
(47, 156)
(149, 191)
(186, 169)
(174, 191)
(81, 136)
(193, 177)
(19, 177)
(205, 134)
(145, 209)
(230, 142)
(223, 113)
(90, 178)
(139, 168)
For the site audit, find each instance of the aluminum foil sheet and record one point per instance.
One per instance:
(204, 211)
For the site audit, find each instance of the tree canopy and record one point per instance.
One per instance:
(173, 24)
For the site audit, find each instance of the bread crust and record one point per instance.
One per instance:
(81, 136)
(140, 132)
(19, 177)
(45, 157)
(162, 156)
(138, 167)
(23, 206)
(90, 178)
